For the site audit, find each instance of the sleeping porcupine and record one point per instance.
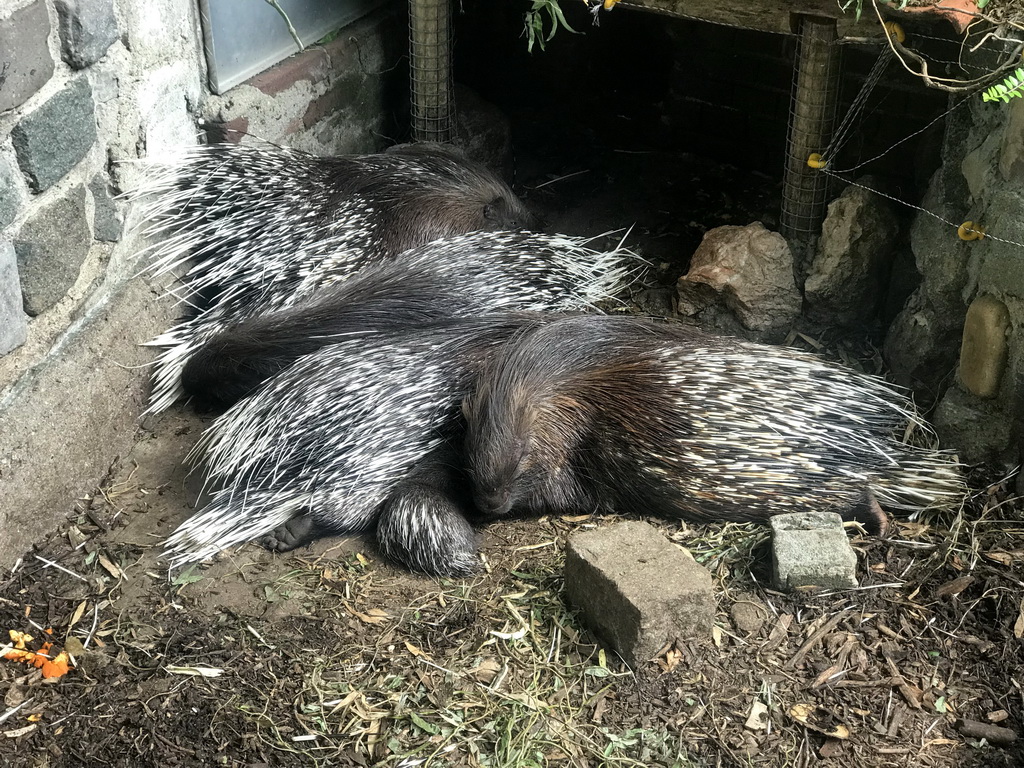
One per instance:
(464, 275)
(624, 414)
(355, 435)
(259, 228)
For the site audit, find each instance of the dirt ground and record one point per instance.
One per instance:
(329, 656)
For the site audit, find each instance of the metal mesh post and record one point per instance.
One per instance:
(811, 122)
(430, 45)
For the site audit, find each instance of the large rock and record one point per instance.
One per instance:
(25, 63)
(87, 29)
(636, 590)
(749, 271)
(51, 140)
(51, 247)
(847, 277)
(13, 323)
(978, 430)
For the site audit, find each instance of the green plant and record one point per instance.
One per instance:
(535, 23)
(1010, 88)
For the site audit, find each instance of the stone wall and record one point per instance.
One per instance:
(88, 88)
(961, 334)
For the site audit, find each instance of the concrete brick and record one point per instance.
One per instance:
(87, 29)
(51, 247)
(107, 224)
(812, 549)
(27, 63)
(636, 590)
(13, 323)
(11, 195)
(50, 141)
(983, 351)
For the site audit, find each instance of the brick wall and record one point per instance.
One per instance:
(88, 88)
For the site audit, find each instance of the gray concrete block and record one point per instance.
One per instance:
(51, 247)
(636, 590)
(87, 29)
(13, 323)
(11, 194)
(811, 549)
(107, 224)
(50, 141)
(26, 60)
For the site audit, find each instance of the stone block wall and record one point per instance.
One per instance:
(88, 89)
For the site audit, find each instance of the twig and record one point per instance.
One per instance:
(291, 29)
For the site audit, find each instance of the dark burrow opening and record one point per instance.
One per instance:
(676, 126)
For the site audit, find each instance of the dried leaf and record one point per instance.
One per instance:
(756, 718)
(77, 615)
(110, 568)
(486, 670)
(416, 651)
(1018, 625)
(954, 587)
(819, 719)
(195, 671)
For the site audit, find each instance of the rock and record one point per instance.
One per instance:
(27, 63)
(811, 549)
(13, 323)
(848, 274)
(50, 141)
(748, 614)
(11, 195)
(983, 352)
(920, 347)
(978, 430)
(87, 29)
(748, 270)
(636, 590)
(107, 224)
(51, 247)
(483, 131)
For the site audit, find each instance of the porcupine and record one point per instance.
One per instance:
(463, 275)
(354, 436)
(364, 427)
(623, 414)
(259, 228)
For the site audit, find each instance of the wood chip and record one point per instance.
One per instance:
(993, 734)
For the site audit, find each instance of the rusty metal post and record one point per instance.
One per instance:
(811, 123)
(430, 48)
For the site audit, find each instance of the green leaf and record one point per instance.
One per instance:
(423, 725)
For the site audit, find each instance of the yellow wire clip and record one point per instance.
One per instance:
(969, 231)
(895, 31)
(814, 160)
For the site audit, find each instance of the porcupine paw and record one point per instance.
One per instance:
(869, 513)
(298, 531)
(426, 531)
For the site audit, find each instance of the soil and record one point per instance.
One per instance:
(329, 656)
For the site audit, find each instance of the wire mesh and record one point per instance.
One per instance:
(812, 120)
(430, 47)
